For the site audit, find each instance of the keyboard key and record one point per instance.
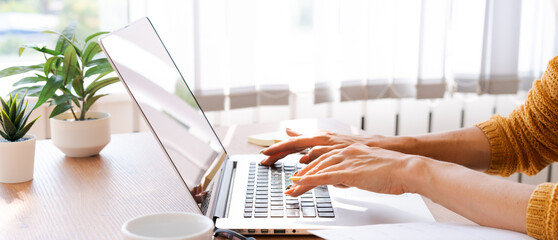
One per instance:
(247, 210)
(276, 203)
(276, 198)
(261, 205)
(308, 212)
(276, 213)
(324, 205)
(325, 210)
(307, 204)
(247, 215)
(260, 210)
(280, 195)
(319, 192)
(260, 201)
(323, 200)
(248, 205)
(292, 206)
(291, 201)
(279, 207)
(261, 192)
(249, 200)
(261, 196)
(249, 196)
(260, 215)
(293, 213)
(326, 214)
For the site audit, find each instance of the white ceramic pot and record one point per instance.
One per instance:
(80, 138)
(16, 160)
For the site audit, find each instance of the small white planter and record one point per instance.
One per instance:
(17, 160)
(81, 138)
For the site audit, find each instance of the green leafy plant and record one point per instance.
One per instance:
(61, 79)
(14, 119)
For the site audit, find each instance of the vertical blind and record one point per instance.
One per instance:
(245, 53)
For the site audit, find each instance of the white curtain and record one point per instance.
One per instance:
(246, 53)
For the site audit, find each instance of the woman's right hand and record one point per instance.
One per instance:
(319, 144)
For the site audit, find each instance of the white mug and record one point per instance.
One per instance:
(168, 226)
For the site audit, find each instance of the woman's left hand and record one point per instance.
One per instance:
(369, 168)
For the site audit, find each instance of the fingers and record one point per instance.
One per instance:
(322, 178)
(308, 182)
(317, 165)
(292, 133)
(299, 190)
(273, 158)
(318, 151)
(296, 143)
(329, 164)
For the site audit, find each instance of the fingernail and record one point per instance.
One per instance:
(294, 174)
(263, 150)
(288, 191)
(295, 178)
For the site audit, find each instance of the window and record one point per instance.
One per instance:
(21, 22)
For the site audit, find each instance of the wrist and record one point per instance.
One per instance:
(416, 174)
(403, 144)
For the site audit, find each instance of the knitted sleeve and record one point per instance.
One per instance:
(527, 140)
(542, 212)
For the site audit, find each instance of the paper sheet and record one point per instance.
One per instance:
(431, 231)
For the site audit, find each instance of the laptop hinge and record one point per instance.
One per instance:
(223, 191)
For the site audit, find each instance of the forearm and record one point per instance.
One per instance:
(486, 200)
(468, 146)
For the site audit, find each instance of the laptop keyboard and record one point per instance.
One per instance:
(265, 198)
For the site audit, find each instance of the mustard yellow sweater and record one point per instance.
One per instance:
(527, 141)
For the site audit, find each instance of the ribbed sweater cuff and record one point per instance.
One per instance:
(541, 212)
(497, 147)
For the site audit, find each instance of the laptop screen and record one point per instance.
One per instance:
(156, 84)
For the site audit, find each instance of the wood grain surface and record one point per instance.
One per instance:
(90, 198)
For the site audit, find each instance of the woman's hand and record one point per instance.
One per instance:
(369, 168)
(489, 201)
(321, 143)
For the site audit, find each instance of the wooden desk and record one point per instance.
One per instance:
(90, 198)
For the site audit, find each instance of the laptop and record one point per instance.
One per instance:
(235, 191)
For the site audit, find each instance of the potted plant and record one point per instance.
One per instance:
(61, 80)
(17, 148)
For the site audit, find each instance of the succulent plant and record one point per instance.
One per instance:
(13, 118)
